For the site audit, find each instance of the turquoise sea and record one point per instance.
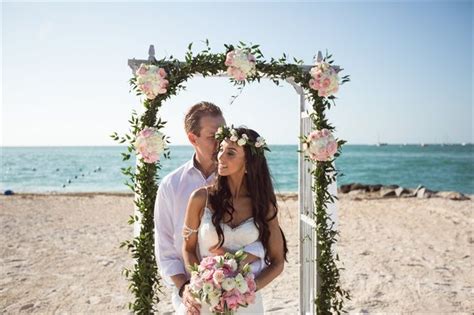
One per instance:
(97, 169)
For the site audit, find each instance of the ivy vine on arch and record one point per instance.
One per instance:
(158, 80)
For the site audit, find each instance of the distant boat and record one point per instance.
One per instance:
(380, 144)
(423, 145)
(463, 144)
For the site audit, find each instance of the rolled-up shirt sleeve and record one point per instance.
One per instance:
(168, 258)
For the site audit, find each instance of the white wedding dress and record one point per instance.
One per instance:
(234, 239)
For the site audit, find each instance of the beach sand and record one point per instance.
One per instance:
(60, 253)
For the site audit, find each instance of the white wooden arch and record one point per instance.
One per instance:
(308, 251)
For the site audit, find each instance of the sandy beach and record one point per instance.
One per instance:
(60, 254)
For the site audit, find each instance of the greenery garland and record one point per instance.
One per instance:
(144, 277)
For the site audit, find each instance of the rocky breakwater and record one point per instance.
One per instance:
(363, 191)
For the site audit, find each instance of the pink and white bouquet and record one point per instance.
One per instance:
(319, 145)
(240, 64)
(324, 77)
(149, 144)
(151, 80)
(222, 283)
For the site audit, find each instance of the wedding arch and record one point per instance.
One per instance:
(155, 81)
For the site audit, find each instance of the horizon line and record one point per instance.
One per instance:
(189, 145)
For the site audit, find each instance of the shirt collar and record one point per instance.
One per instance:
(191, 166)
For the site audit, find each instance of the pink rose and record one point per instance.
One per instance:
(227, 270)
(208, 262)
(142, 70)
(232, 298)
(151, 158)
(147, 132)
(162, 73)
(229, 60)
(332, 148)
(196, 283)
(251, 283)
(207, 274)
(249, 298)
(218, 276)
(147, 86)
(326, 83)
(237, 74)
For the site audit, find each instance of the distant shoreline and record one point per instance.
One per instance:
(356, 193)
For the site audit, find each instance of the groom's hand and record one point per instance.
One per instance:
(192, 306)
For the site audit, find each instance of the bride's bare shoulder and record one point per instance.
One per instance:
(199, 196)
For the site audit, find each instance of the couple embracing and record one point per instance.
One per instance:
(221, 201)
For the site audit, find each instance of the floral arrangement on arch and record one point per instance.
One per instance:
(149, 144)
(241, 64)
(324, 77)
(151, 80)
(319, 145)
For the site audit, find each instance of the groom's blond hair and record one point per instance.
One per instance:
(192, 119)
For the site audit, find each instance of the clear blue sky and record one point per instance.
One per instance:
(65, 74)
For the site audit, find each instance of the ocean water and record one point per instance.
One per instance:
(93, 169)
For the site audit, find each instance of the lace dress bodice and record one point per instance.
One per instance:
(234, 238)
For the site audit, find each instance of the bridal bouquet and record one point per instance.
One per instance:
(223, 283)
(319, 145)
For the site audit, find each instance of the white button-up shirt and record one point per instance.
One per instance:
(170, 208)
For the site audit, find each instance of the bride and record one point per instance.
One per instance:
(239, 209)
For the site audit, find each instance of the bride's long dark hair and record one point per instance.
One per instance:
(260, 189)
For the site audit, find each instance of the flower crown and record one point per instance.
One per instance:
(257, 147)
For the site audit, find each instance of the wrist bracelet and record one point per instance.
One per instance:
(180, 292)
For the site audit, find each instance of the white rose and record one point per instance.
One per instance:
(241, 284)
(233, 264)
(228, 284)
(207, 287)
(234, 138)
(213, 298)
(305, 146)
(156, 142)
(241, 142)
(218, 132)
(260, 142)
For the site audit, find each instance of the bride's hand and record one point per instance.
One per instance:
(250, 259)
(222, 250)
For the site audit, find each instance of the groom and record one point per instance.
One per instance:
(200, 123)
